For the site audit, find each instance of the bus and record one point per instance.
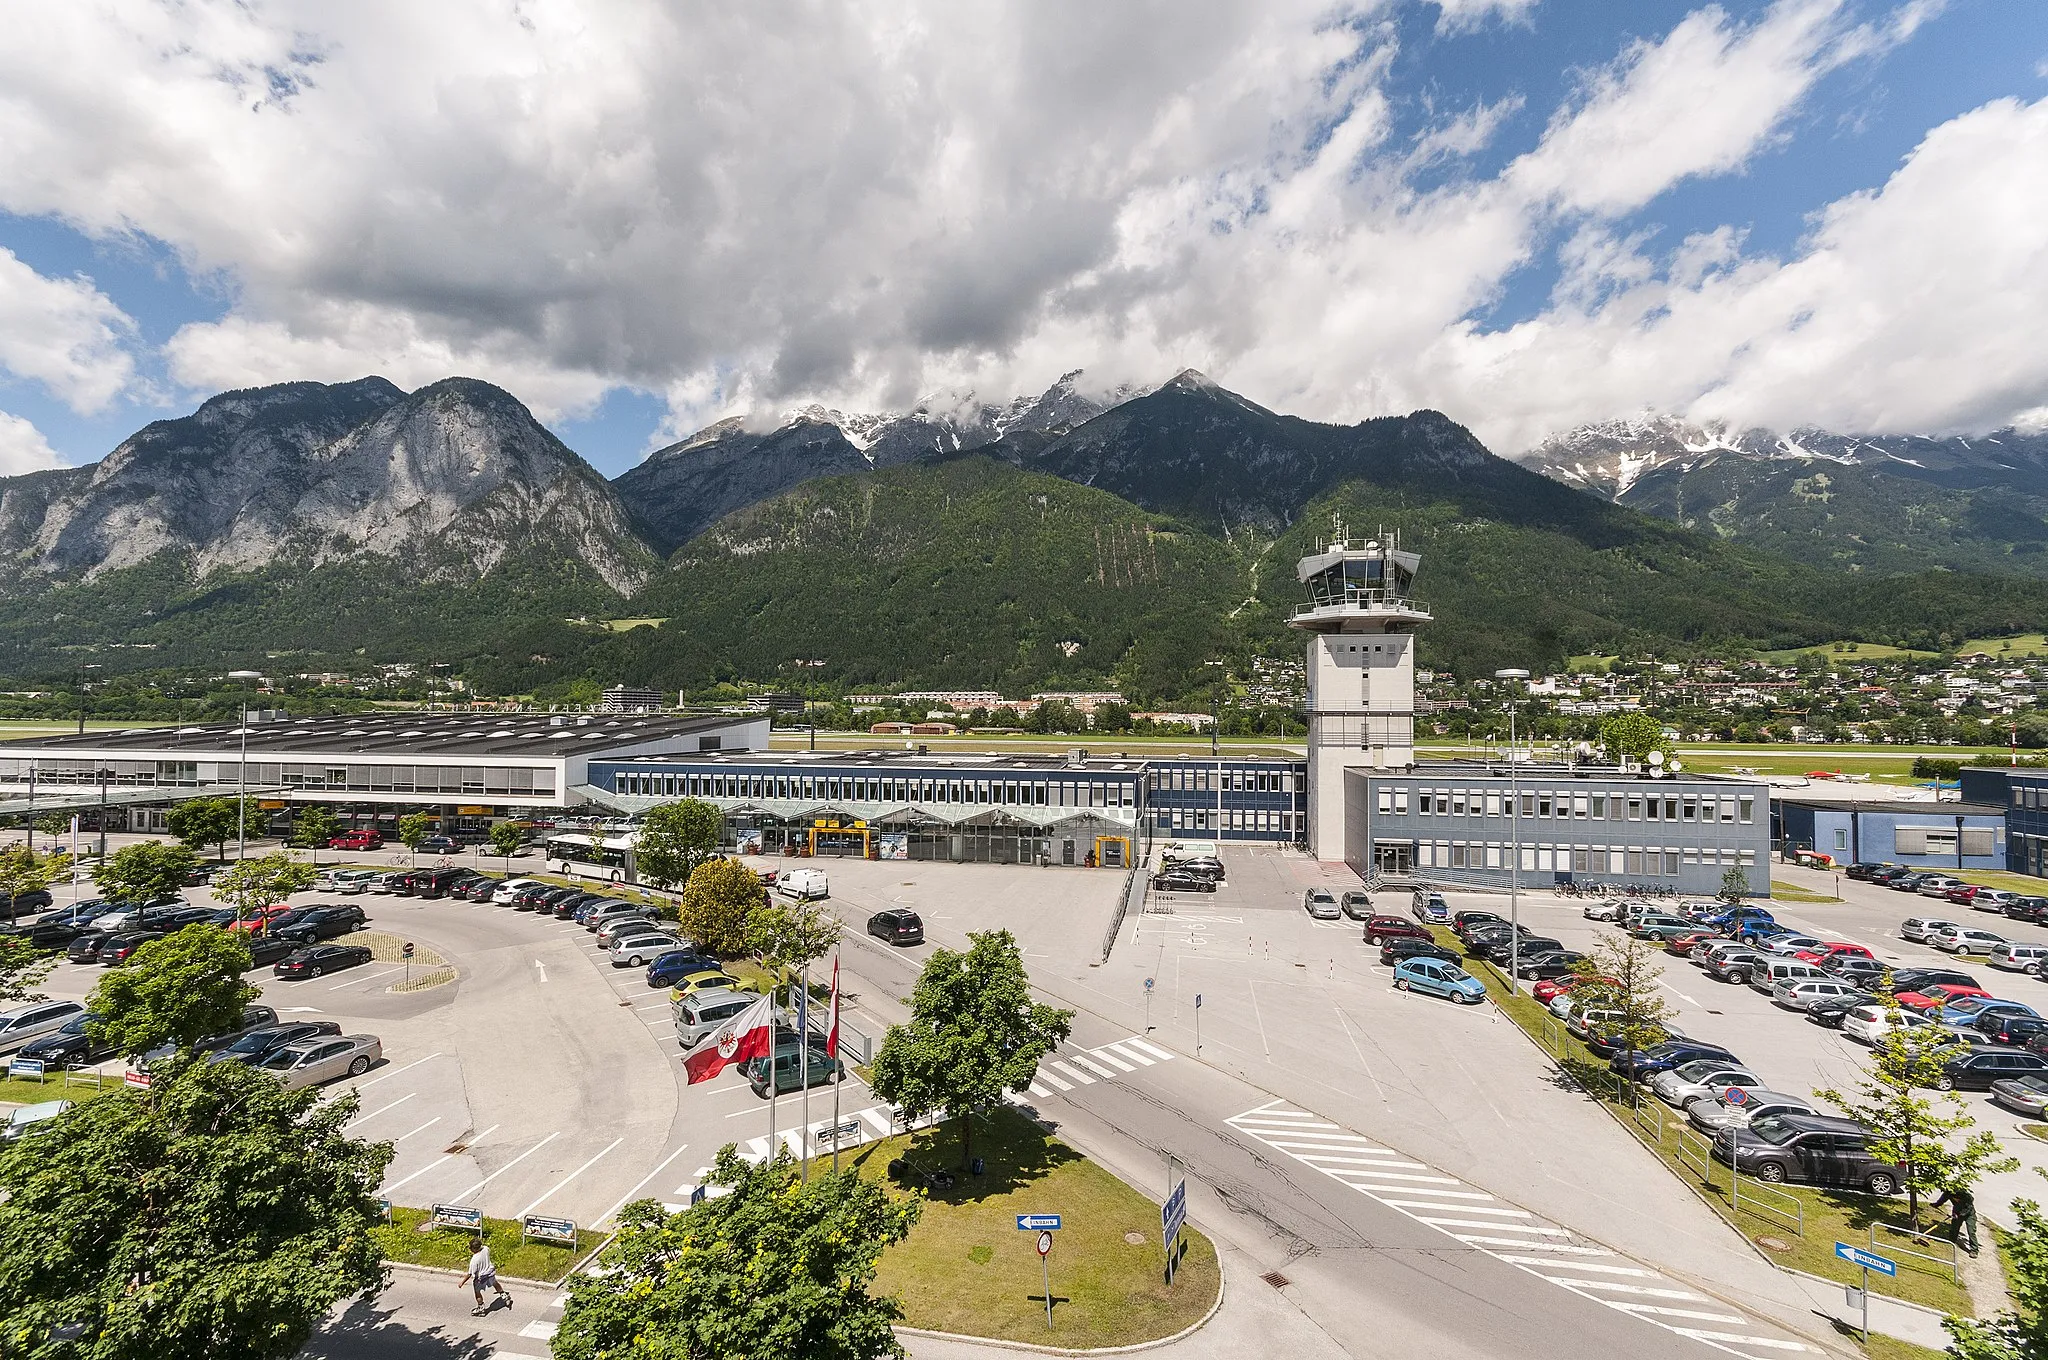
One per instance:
(590, 855)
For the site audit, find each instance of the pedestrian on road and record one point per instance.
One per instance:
(484, 1275)
(1962, 1217)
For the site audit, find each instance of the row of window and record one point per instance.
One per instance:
(864, 789)
(1633, 807)
(2030, 796)
(1268, 820)
(1200, 780)
(1647, 860)
(510, 780)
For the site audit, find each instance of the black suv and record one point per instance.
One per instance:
(27, 904)
(1813, 1148)
(1976, 1071)
(1915, 979)
(2010, 1027)
(307, 924)
(897, 926)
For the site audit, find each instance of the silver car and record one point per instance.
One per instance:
(1711, 1114)
(1322, 905)
(312, 1061)
(27, 1117)
(639, 923)
(1686, 1083)
(634, 948)
(1800, 994)
(699, 1015)
(33, 1021)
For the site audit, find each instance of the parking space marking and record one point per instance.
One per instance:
(449, 1157)
(421, 1129)
(1512, 1235)
(627, 1198)
(366, 1085)
(380, 1110)
(507, 1166)
(570, 1177)
(351, 982)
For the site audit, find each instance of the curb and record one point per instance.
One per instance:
(449, 1272)
(1027, 1346)
(1890, 1301)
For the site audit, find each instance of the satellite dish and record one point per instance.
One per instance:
(1676, 767)
(1656, 757)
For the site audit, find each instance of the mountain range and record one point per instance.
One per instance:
(1059, 539)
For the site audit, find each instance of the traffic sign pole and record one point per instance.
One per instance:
(1045, 1273)
(1148, 1005)
(1198, 1024)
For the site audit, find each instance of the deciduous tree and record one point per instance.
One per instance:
(1734, 885)
(176, 990)
(22, 969)
(506, 839)
(412, 829)
(777, 1268)
(1620, 974)
(1633, 735)
(974, 1033)
(200, 822)
(312, 827)
(215, 1216)
(674, 839)
(2021, 1333)
(145, 871)
(718, 906)
(257, 883)
(26, 870)
(789, 935)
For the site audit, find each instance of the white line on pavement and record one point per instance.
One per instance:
(366, 1085)
(350, 982)
(1628, 1307)
(570, 1177)
(1153, 1049)
(1460, 1208)
(421, 1129)
(1578, 1265)
(508, 1166)
(1118, 1063)
(1738, 1340)
(625, 1198)
(449, 1157)
(1054, 1082)
(374, 1113)
(1642, 1290)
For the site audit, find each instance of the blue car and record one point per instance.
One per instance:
(670, 968)
(1439, 977)
(1965, 1010)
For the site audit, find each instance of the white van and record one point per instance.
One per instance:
(1777, 971)
(803, 884)
(2015, 957)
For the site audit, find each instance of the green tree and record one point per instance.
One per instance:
(1633, 735)
(974, 1033)
(1734, 885)
(145, 871)
(718, 906)
(777, 1268)
(22, 969)
(24, 869)
(1907, 1125)
(214, 1216)
(412, 829)
(54, 825)
(312, 827)
(1621, 974)
(200, 822)
(506, 838)
(2020, 1334)
(176, 990)
(674, 839)
(789, 934)
(256, 883)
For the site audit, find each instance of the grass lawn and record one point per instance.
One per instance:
(403, 1240)
(72, 1086)
(1792, 892)
(1805, 1222)
(965, 1268)
(1865, 651)
(2026, 644)
(1998, 878)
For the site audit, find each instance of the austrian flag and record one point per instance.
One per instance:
(741, 1039)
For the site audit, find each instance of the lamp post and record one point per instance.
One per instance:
(242, 769)
(1511, 674)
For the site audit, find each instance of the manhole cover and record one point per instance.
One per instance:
(1778, 1244)
(1276, 1279)
(1136, 1239)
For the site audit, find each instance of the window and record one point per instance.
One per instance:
(1635, 861)
(1542, 805)
(1528, 805)
(1599, 802)
(1691, 808)
(1635, 809)
(1579, 805)
(1493, 805)
(1748, 808)
(1458, 803)
(1841, 838)
(1400, 800)
(1386, 800)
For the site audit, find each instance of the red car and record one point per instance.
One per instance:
(260, 918)
(1962, 894)
(356, 840)
(1940, 994)
(1683, 945)
(1383, 928)
(1831, 951)
(1549, 989)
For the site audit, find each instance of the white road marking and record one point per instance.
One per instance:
(366, 1085)
(625, 1198)
(538, 1330)
(417, 1174)
(542, 969)
(1156, 1051)
(1494, 1227)
(1079, 1078)
(1532, 1246)
(1096, 1068)
(1036, 1091)
(1318, 1160)
(1643, 1290)
(1460, 1208)
(1627, 1307)
(570, 1177)
(374, 1113)
(350, 982)
(421, 1129)
(1054, 1082)
(1734, 1340)
(507, 1166)
(1127, 1052)
(1118, 1063)
(1579, 1265)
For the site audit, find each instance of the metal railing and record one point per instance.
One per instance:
(1955, 1268)
(1793, 1217)
(1135, 887)
(1697, 1154)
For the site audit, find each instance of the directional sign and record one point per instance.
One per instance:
(1037, 1222)
(1198, 1001)
(1174, 1212)
(1148, 984)
(1869, 1260)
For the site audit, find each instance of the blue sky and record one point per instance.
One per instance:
(183, 223)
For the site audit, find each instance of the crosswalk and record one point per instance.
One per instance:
(816, 1139)
(1514, 1236)
(1084, 1067)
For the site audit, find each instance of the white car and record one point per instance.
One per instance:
(34, 1020)
(1964, 940)
(1868, 1024)
(510, 888)
(1602, 910)
(1711, 1114)
(1701, 1077)
(312, 1061)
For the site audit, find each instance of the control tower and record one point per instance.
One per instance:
(1361, 673)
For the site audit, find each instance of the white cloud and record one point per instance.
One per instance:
(23, 448)
(64, 334)
(742, 209)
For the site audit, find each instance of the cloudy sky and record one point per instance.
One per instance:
(643, 216)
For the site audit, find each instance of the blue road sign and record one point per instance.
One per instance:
(1198, 1001)
(1869, 1260)
(1174, 1212)
(1037, 1222)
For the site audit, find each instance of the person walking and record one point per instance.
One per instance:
(1962, 1217)
(483, 1274)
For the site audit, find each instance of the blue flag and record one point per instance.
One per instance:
(803, 1012)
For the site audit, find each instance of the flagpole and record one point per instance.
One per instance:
(774, 1052)
(803, 1037)
(832, 1052)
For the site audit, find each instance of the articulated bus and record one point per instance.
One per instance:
(591, 856)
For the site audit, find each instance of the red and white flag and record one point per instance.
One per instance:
(832, 1032)
(746, 1036)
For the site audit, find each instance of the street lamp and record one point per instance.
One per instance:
(242, 770)
(1513, 673)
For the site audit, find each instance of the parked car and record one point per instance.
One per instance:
(1868, 1024)
(1711, 1114)
(2023, 1095)
(594, 919)
(1395, 928)
(1862, 872)
(635, 950)
(69, 1045)
(85, 947)
(1906, 882)
(1922, 929)
(34, 1020)
(1789, 945)
(312, 1061)
(1393, 951)
(256, 1044)
(28, 1118)
(1176, 880)
(27, 903)
(1602, 910)
(1660, 926)
(320, 959)
(2034, 909)
(1831, 951)
(1208, 866)
(1462, 922)
(897, 926)
(1321, 904)
(1736, 964)
(804, 884)
(1357, 905)
(1853, 968)
(1557, 964)
(1936, 885)
(672, 967)
(1799, 996)
(1641, 1066)
(1439, 977)
(1807, 1147)
(508, 889)
(1830, 1012)
(437, 844)
(712, 981)
(1905, 980)
(635, 923)
(1937, 994)
(1684, 945)
(1992, 899)
(1549, 989)
(1501, 947)
(321, 922)
(121, 948)
(792, 1070)
(1430, 908)
(265, 950)
(1976, 1070)
(699, 1015)
(356, 840)
(1679, 1086)
(1966, 940)
(1966, 1010)
(2002, 1026)
(253, 1017)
